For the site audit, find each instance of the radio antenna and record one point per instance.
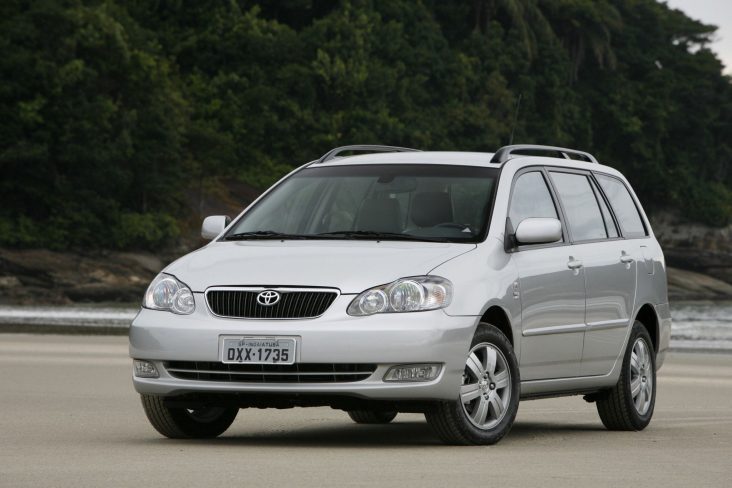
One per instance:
(515, 118)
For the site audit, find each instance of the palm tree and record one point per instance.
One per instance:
(584, 26)
(523, 15)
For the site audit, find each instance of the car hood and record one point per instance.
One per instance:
(350, 266)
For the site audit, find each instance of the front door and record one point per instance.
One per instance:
(552, 312)
(551, 287)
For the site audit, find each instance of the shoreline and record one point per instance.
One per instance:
(114, 320)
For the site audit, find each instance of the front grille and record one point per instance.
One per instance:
(293, 304)
(270, 373)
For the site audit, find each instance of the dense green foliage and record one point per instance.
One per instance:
(112, 111)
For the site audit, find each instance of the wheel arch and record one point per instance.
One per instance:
(498, 317)
(646, 315)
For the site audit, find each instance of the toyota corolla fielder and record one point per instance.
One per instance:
(449, 283)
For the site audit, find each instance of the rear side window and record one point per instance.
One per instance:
(531, 198)
(622, 203)
(580, 205)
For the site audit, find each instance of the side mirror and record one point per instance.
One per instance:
(539, 231)
(214, 225)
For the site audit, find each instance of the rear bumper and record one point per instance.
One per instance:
(663, 312)
(384, 339)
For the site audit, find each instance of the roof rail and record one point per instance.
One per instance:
(361, 148)
(504, 153)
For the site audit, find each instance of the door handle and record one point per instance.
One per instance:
(625, 258)
(574, 263)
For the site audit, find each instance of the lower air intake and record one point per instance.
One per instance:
(270, 373)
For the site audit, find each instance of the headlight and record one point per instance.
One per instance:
(413, 294)
(167, 293)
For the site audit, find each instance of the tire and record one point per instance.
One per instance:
(620, 408)
(182, 423)
(371, 416)
(474, 418)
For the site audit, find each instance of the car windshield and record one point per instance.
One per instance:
(445, 203)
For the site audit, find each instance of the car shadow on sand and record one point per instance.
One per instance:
(398, 434)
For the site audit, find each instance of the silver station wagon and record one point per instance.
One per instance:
(380, 279)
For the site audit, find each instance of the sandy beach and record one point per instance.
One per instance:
(71, 418)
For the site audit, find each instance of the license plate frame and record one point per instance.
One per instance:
(251, 349)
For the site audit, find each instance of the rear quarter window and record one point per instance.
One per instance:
(623, 205)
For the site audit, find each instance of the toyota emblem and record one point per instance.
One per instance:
(268, 298)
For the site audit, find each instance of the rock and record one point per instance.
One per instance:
(674, 233)
(9, 282)
(30, 295)
(100, 292)
(688, 285)
(39, 276)
(151, 263)
(695, 247)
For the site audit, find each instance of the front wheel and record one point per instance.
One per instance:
(629, 404)
(184, 423)
(489, 394)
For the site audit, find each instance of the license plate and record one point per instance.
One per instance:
(258, 350)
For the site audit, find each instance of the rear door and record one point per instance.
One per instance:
(610, 268)
(634, 256)
(551, 288)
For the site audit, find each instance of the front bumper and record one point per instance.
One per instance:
(335, 337)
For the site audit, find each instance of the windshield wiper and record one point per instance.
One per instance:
(365, 234)
(262, 234)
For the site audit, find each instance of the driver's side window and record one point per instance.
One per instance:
(531, 198)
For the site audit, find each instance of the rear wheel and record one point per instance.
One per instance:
(489, 394)
(371, 416)
(629, 405)
(183, 423)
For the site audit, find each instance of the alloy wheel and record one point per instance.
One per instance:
(641, 376)
(486, 389)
